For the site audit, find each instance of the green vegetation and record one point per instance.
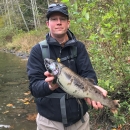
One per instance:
(104, 27)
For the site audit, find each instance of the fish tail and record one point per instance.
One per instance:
(117, 105)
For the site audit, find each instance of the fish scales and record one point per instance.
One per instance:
(76, 85)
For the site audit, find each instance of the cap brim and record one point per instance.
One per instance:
(57, 10)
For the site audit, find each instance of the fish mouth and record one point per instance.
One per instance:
(51, 66)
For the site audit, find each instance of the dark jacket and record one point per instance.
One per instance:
(50, 107)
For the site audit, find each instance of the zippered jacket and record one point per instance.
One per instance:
(50, 107)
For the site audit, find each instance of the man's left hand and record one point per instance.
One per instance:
(96, 105)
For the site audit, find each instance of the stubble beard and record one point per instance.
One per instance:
(59, 35)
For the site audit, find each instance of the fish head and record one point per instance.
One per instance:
(51, 66)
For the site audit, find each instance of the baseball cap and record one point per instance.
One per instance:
(62, 8)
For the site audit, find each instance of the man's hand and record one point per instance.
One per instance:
(96, 105)
(49, 79)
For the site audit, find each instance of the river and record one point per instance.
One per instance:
(17, 109)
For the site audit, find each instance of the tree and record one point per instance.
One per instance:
(35, 14)
(22, 15)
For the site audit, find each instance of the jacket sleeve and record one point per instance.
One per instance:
(83, 63)
(35, 70)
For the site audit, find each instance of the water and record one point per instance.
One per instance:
(16, 104)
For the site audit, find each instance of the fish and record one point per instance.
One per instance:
(77, 86)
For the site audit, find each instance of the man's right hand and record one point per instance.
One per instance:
(50, 79)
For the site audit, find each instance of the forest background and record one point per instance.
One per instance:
(102, 25)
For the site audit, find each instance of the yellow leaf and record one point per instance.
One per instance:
(5, 112)
(27, 93)
(119, 127)
(9, 105)
(31, 117)
(24, 100)
(26, 103)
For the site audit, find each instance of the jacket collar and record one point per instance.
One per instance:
(72, 40)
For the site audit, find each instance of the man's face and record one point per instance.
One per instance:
(58, 24)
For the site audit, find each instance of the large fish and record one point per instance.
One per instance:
(76, 85)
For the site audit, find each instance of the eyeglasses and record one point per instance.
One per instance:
(54, 5)
(55, 19)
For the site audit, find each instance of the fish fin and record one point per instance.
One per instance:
(116, 102)
(90, 80)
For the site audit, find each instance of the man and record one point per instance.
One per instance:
(60, 41)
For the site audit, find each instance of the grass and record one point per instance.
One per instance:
(24, 41)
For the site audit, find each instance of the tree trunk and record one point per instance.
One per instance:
(8, 11)
(34, 14)
(22, 15)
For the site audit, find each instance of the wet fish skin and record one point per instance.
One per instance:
(76, 85)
